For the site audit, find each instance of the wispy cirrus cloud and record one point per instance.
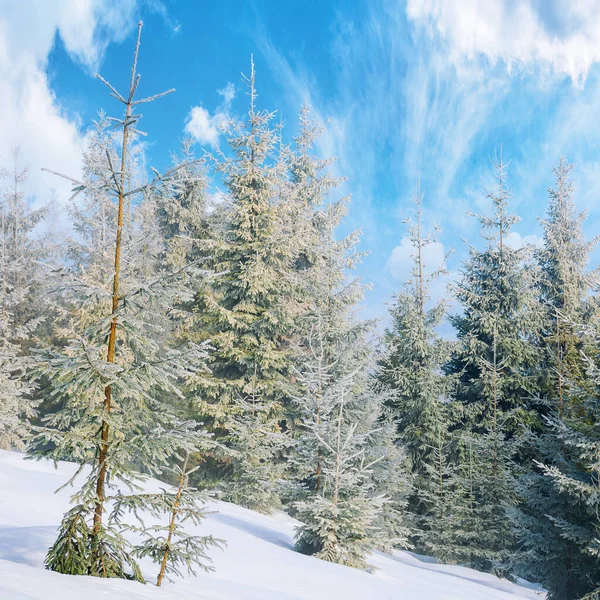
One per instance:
(435, 88)
(556, 36)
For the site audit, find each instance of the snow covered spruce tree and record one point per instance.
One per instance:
(113, 368)
(326, 295)
(342, 456)
(492, 362)
(575, 503)
(411, 372)
(245, 314)
(22, 306)
(546, 554)
(338, 519)
(564, 287)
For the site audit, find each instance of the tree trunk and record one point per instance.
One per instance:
(112, 337)
(165, 558)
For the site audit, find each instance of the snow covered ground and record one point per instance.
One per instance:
(259, 562)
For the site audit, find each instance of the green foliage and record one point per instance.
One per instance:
(410, 371)
(246, 314)
(340, 532)
(79, 550)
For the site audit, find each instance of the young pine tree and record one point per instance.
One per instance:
(111, 371)
(171, 545)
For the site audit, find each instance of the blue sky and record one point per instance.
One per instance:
(422, 86)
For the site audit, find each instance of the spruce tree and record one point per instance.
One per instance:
(339, 519)
(112, 369)
(545, 553)
(411, 372)
(493, 363)
(244, 313)
(343, 457)
(22, 306)
(327, 292)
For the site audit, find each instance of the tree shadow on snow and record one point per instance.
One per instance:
(26, 545)
(264, 533)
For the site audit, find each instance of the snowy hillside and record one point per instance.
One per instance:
(259, 562)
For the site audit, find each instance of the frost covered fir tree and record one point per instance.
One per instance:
(308, 219)
(245, 314)
(339, 519)
(545, 553)
(342, 457)
(411, 372)
(22, 307)
(492, 363)
(112, 370)
(326, 293)
(576, 479)
(564, 288)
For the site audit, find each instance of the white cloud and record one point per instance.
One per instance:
(228, 93)
(206, 128)
(516, 241)
(561, 36)
(202, 127)
(30, 114)
(400, 262)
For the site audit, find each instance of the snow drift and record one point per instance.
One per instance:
(259, 562)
